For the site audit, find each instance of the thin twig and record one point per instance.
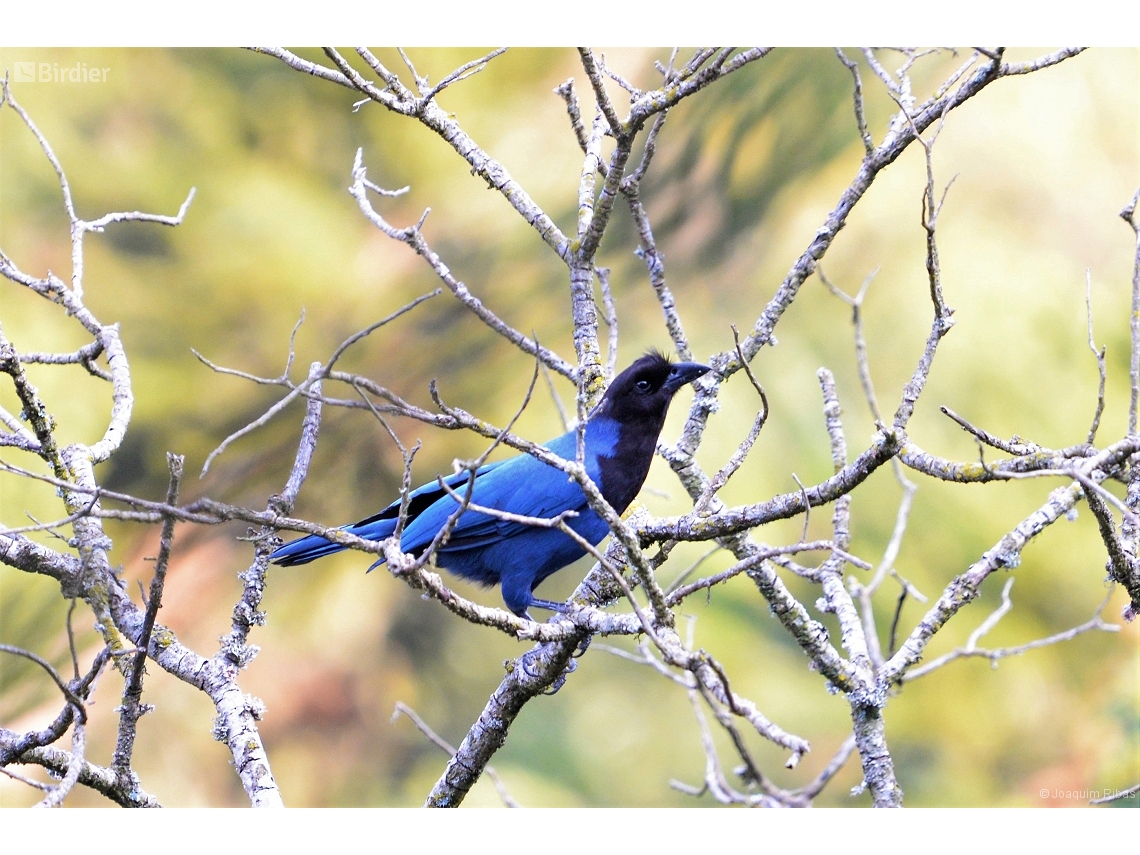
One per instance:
(971, 648)
(1117, 796)
(443, 744)
(1128, 214)
(860, 116)
(462, 73)
(302, 388)
(862, 363)
(833, 768)
(1099, 356)
(413, 237)
(1016, 446)
(605, 105)
(806, 505)
(16, 776)
(610, 315)
(133, 708)
(734, 463)
(891, 646)
(563, 416)
(677, 593)
(55, 796)
(68, 692)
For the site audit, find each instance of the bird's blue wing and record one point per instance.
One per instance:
(419, 501)
(523, 485)
(378, 526)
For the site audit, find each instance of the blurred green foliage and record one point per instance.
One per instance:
(743, 176)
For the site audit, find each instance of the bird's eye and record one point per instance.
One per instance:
(643, 386)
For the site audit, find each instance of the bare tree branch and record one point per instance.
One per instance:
(972, 650)
(133, 708)
(440, 742)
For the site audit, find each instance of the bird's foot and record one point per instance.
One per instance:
(583, 646)
(560, 680)
(571, 665)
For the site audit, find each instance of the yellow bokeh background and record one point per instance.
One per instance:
(745, 173)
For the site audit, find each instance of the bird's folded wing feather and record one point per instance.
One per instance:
(523, 486)
(419, 501)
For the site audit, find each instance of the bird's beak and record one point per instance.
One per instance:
(684, 372)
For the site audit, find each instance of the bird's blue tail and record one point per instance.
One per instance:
(314, 546)
(304, 550)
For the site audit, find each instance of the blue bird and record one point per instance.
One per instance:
(621, 436)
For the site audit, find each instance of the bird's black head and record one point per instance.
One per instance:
(637, 401)
(641, 394)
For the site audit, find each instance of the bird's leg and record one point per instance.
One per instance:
(561, 608)
(549, 605)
